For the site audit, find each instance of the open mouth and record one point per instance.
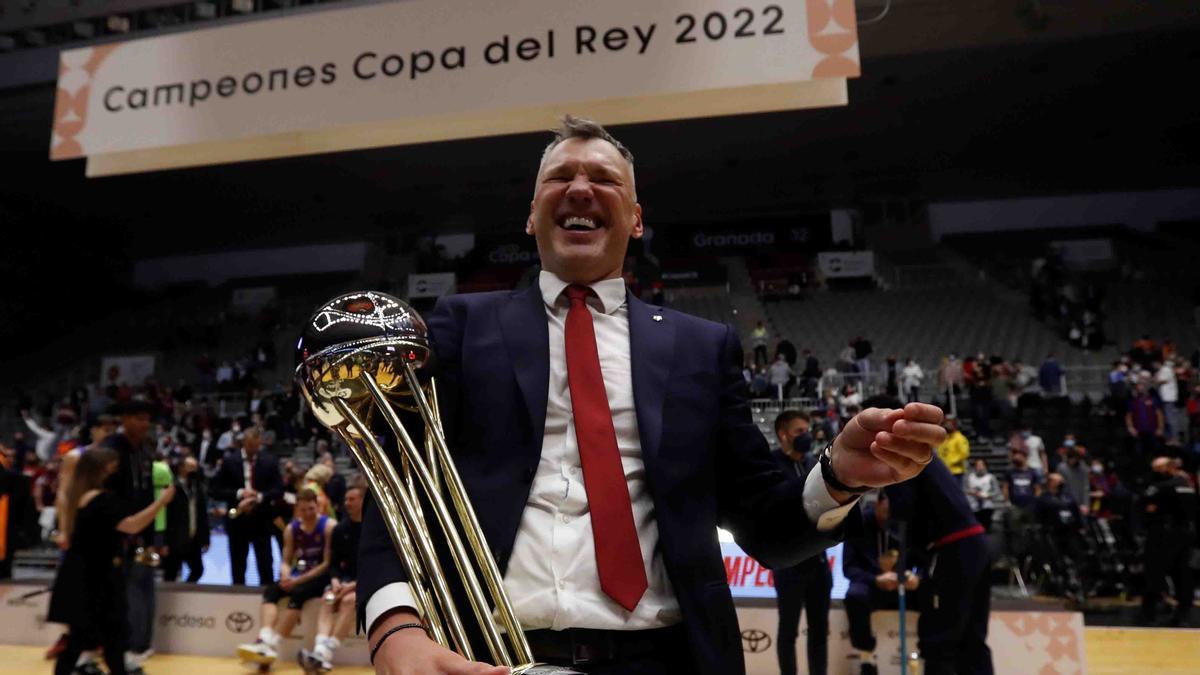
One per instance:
(579, 224)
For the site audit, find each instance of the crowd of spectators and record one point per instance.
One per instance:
(193, 423)
(1056, 503)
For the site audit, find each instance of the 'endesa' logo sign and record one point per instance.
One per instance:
(187, 621)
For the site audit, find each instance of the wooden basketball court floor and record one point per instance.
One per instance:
(1110, 651)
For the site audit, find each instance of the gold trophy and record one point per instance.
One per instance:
(358, 355)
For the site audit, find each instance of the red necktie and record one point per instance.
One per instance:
(618, 553)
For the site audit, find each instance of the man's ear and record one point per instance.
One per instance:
(638, 227)
(529, 221)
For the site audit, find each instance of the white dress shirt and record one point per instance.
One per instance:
(552, 577)
(248, 476)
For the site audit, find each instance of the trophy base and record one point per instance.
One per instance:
(543, 669)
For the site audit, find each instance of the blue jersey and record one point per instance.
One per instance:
(309, 547)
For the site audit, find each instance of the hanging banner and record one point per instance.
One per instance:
(431, 285)
(846, 264)
(423, 70)
(127, 370)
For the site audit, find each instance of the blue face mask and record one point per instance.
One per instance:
(1069, 443)
(1026, 434)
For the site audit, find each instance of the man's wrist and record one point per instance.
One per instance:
(397, 616)
(839, 496)
(840, 491)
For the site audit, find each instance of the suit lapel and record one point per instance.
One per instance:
(651, 347)
(527, 338)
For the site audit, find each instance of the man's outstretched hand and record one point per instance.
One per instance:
(882, 446)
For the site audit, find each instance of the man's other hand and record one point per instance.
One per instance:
(882, 446)
(411, 652)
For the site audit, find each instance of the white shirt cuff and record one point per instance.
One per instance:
(820, 506)
(394, 595)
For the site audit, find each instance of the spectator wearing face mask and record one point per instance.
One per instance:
(955, 450)
(1102, 488)
(1035, 449)
(983, 493)
(1023, 484)
(803, 587)
(1145, 421)
(1069, 445)
(1168, 393)
(781, 377)
(910, 379)
(1119, 386)
(1074, 471)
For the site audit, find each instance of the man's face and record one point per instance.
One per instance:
(136, 426)
(353, 503)
(584, 211)
(788, 434)
(306, 510)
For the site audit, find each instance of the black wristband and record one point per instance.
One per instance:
(391, 631)
(831, 479)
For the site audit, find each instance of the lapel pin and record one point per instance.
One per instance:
(657, 317)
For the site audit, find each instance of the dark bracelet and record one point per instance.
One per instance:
(826, 463)
(389, 633)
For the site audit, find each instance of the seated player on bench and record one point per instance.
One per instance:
(303, 576)
(337, 611)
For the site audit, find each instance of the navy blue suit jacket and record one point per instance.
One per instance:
(706, 462)
(230, 478)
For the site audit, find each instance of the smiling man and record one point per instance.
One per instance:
(603, 441)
